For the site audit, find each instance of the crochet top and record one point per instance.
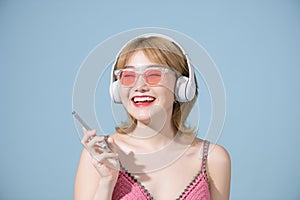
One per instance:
(129, 188)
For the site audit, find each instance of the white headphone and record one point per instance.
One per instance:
(185, 88)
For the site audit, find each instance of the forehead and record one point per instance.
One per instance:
(138, 58)
(141, 56)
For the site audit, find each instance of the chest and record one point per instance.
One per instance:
(170, 181)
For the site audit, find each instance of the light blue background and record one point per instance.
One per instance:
(255, 45)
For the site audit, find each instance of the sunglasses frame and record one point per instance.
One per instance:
(163, 69)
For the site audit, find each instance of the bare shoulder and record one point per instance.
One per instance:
(219, 172)
(218, 155)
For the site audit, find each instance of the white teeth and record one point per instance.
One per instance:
(142, 99)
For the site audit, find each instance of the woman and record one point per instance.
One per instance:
(155, 155)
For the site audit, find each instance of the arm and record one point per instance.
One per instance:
(94, 178)
(219, 172)
(87, 178)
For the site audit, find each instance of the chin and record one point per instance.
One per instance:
(141, 115)
(151, 115)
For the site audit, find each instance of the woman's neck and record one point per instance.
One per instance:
(153, 135)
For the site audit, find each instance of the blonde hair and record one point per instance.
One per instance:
(161, 51)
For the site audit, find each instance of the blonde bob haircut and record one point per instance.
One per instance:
(165, 52)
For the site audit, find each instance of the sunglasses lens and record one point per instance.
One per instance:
(127, 78)
(153, 76)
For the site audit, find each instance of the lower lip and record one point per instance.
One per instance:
(139, 105)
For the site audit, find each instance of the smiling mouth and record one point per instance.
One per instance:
(142, 100)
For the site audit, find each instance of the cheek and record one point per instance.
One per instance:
(167, 93)
(169, 86)
(124, 94)
(169, 96)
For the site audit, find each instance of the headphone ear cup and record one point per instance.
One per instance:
(114, 92)
(190, 90)
(180, 89)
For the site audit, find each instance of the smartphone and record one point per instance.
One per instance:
(103, 144)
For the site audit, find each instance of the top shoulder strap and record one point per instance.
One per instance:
(204, 157)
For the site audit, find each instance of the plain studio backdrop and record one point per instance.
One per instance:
(255, 45)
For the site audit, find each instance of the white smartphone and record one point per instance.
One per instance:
(103, 144)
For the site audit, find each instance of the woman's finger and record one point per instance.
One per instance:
(112, 145)
(108, 159)
(87, 136)
(104, 156)
(94, 145)
(100, 168)
(95, 140)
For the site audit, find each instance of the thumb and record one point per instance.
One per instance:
(112, 144)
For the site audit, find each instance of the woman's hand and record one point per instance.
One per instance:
(106, 163)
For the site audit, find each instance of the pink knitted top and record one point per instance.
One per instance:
(129, 188)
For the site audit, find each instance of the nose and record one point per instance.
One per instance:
(140, 85)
